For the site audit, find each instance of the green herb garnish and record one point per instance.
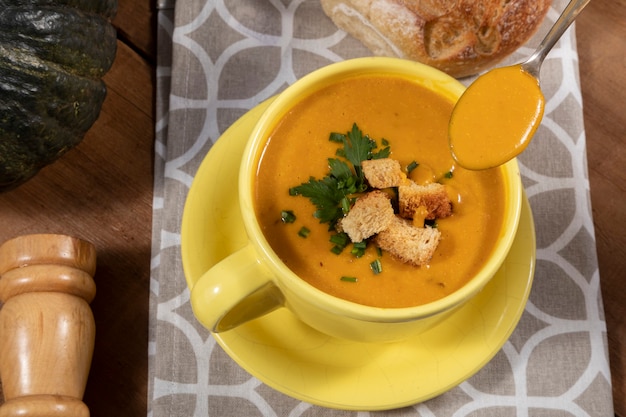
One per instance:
(411, 167)
(376, 266)
(334, 194)
(287, 216)
(340, 241)
(325, 194)
(337, 249)
(349, 279)
(304, 232)
(358, 249)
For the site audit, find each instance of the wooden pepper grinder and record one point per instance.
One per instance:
(47, 329)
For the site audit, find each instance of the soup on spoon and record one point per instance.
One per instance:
(497, 116)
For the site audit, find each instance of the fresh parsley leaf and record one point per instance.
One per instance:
(340, 170)
(325, 195)
(358, 147)
(383, 153)
(333, 194)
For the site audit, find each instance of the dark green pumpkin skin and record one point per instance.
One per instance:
(105, 8)
(53, 54)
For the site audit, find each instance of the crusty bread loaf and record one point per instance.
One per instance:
(409, 244)
(460, 37)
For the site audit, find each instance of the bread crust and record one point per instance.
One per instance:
(404, 235)
(383, 173)
(407, 243)
(433, 197)
(370, 214)
(459, 37)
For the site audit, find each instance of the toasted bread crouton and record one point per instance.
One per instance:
(407, 243)
(383, 173)
(369, 215)
(432, 196)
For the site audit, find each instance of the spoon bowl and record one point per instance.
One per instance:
(499, 113)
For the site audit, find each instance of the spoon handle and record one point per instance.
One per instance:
(533, 64)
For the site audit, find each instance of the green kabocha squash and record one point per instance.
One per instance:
(53, 54)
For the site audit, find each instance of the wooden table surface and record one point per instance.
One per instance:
(102, 192)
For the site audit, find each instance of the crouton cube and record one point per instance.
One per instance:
(383, 173)
(369, 215)
(407, 243)
(433, 197)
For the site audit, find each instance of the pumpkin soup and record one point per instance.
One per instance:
(408, 123)
(495, 118)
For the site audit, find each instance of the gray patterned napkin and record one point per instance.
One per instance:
(220, 58)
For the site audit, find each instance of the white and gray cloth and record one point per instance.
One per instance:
(219, 58)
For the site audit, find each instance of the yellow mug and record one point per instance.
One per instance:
(254, 281)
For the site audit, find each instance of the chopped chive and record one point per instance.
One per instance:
(287, 216)
(340, 239)
(337, 249)
(337, 137)
(360, 245)
(304, 232)
(377, 267)
(358, 249)
(384, 142)
(350, 185)
(379, 251)
(357, 252)
(448, 174)
(411, 167)
(345, 205)
(349, 279)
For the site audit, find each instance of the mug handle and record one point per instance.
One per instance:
(234, 291)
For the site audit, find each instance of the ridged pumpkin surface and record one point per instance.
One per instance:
(53, 54)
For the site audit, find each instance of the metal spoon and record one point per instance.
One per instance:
(497, 116)
(533, 64)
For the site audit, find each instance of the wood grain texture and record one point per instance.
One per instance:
(47, 326)
(601, 30)
(102, 192)
(136, 24)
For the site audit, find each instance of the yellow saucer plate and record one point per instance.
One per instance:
(298, 361)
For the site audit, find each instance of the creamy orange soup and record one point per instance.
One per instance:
(496, 118)
(415, 122)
